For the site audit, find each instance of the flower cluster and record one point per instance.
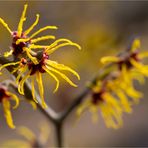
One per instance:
(33, 63)
(21, 42)
(115, 93)
(5, 98)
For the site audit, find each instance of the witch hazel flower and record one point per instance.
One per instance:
(114, 93)
(34, 64)
(28, 69)
(21, 40)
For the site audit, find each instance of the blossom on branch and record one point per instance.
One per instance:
(31, 63)
(22, 41)
(115, 93)
(28, 69)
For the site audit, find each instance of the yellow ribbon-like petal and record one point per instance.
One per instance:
(22, 19)
(52, 75)
(33, 90)
(62, 67)
(7, 112)
(15, 98)
(110, 59)
(41, 88)
(42, 29)
(26, 132)
(9, 64)
(136, 44)
(42, 38)
(32, 26)
(5, 25)
(21, 83)
(62, 75)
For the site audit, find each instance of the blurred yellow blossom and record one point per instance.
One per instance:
(115, 93)
(30, 140)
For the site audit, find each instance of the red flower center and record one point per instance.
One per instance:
(126, 60)
(97, 97)
(38, 67)
(18, 48)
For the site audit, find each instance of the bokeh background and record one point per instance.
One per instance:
(101, 28)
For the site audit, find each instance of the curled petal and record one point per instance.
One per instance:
(42, 29)
(32, 26)
(143, 55)
(22, 70)
(33, 104)
(5, 25)
(62, 75)
(82, 108)
(131, 92)
(52, 75)
(21, 83)
(53, 49)
(141, 68)
(22, 40)
(41, 88)
(35, 40)
(32, 46)
(42, 38)
(137, 76)
(16, 143)
(33, 90)
(33, 59)
(9, 64)
(112, 118)
(7, 112)
(94, 110)
(109, 99)
(136, 44)
(44, 133)
(124, 101)
(61, 40)
(125, 75)
(22, 19)
(15, 70)
(110, 59)
(15, 98)
(26, 133)
(62, 67)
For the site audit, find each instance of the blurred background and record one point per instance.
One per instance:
(101, 28)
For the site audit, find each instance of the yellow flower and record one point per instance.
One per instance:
(30, 138)
(27, 69)
(131, 59)
(115, 93)
(5, 97)
(36, 63)
(21, 42)
(130, 67)
(108, 105)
